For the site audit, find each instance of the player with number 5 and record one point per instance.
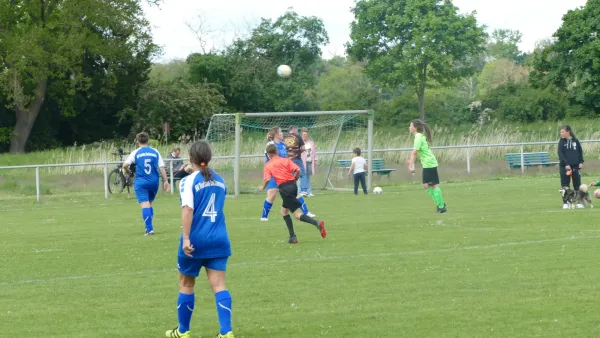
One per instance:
(204, 241)
(148, 164)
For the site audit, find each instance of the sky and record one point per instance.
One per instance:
(225, 19)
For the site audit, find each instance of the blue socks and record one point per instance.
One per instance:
(223, 300)
(303, 205)
(147, 214)
(185, 308)
(266, 209)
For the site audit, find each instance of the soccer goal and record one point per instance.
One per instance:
(238, 143)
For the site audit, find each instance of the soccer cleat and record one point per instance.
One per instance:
(565, 206)
(176, 334)
(322, 229)
(263, 219)
(311, 195)
(310, 214)
(227, 335)
(580, 206)
(442, 210)
(293, 240)
(149, 233)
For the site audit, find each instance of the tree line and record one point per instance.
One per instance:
(77, 72)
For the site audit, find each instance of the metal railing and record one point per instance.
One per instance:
(105, 164)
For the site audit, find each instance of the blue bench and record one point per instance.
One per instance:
(530, 160)
(377, 166)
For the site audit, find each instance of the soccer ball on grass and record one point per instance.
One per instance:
(377, 191)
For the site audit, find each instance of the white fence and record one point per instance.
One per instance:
(467, 148)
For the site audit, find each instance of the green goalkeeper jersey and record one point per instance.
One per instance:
(427, 158)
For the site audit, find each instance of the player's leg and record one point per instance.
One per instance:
(356, 179)
(152, 192)
(142, 195)
(289, 224)
(363, 182)
(565, 182)
(215, 271)
(288, 191)
(437, 190)
(268, 203)
(576, 177)
(308, 175)
(189, 269)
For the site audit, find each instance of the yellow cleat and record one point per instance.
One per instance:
(228, 335)
(176, 334)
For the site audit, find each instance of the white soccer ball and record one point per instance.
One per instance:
(377, 191)
(284, 71)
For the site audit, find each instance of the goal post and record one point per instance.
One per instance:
(238, 142)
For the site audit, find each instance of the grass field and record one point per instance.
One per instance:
(505, 261)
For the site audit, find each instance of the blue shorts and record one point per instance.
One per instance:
(145, 192)
(272, 184)
(191, 266)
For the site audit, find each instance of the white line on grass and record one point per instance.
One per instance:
(308, 259)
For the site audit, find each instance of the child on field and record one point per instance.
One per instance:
(359, 170)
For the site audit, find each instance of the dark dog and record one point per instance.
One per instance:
(579, 198)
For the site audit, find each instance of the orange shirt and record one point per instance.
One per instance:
(281, 169)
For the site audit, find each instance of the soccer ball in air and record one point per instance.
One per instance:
(284, 71)
(377, 191)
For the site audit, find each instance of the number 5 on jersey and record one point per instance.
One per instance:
(147, 167)
(210, 211)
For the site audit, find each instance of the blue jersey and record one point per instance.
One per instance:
(281, 150)
(208, 234)
(147, 163)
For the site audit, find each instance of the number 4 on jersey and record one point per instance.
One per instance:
(210, 211)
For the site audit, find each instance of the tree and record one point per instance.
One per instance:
(413, 42)
(183, 105)
(504, 44)
(501, 72)
(346, 88)
(572, 63)
(47, 41)
(246, 70)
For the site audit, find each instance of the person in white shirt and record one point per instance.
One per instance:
(359, 170)
(309, 159)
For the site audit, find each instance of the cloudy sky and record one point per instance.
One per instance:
(536, 19)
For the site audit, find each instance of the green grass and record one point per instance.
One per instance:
(505, 261)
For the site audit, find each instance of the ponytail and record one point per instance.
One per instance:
(205, 171)
(200, 155)
(423, 128)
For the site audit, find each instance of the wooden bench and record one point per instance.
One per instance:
(377, 166)
(530, 160)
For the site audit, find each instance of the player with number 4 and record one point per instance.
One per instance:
(148, 165)
(204, 242)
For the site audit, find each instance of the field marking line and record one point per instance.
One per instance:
(309, 259)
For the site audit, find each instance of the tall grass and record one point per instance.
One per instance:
(384, 138)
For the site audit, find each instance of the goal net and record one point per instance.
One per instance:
(335, 134)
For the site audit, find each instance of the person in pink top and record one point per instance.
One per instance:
(309, 159)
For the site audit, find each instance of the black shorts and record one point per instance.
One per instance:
(289, 194)
(430, 176)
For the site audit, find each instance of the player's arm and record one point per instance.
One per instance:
(129, 161)
(163, 172)
(187, 213)
(266, 178)
(351, 169)
(413, 154)
(294, 169)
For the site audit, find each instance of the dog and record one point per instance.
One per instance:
(579, 198)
